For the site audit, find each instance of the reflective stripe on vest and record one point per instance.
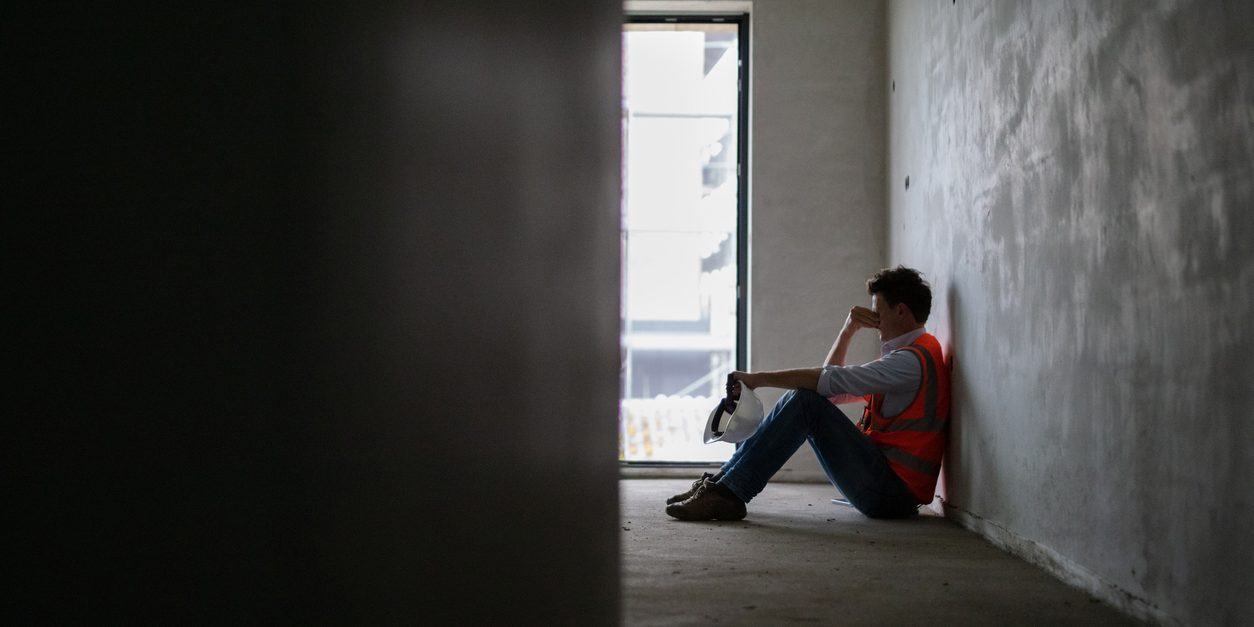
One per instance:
(910, 461)
(929, 422)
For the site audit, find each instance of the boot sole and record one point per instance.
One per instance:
(686, 517)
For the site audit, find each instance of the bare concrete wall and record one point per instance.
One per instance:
(286, 284)
(1079, 186)
(817, 195)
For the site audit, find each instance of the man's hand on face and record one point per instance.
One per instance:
(861, 318)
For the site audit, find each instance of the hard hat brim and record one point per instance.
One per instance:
(739, 425)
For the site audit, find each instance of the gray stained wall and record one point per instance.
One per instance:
(314, 312)
(1080, 190)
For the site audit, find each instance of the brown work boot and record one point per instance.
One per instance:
(709, 503)
(684, 496)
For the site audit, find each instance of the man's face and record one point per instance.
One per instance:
(890, 318)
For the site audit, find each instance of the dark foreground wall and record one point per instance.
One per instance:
(1080, 189)
(316, 313)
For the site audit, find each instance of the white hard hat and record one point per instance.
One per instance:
(738, 425)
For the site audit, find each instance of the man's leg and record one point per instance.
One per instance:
(782, 432)
(849, 458)
(859, 469)
(776, 439)
(736, 455)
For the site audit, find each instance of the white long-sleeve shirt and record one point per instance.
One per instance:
(896, 375)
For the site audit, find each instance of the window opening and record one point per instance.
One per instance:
(683, 230)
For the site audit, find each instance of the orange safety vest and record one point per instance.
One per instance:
(914, 440)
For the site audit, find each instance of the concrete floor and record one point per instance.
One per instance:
(799, 558)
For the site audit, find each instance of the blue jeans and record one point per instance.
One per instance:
(851, 460)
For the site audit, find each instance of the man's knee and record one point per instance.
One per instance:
(809, 397)
(787, 396)
(806, 405)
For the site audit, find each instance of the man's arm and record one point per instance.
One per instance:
(795, 379)
(808, 378)
(858, 318)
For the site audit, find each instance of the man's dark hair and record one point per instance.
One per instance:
(903, 285)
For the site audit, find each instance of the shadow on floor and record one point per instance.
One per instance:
(799, 558)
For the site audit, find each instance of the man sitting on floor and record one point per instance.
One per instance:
(887, 465)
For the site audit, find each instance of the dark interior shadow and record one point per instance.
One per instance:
(952, 467)
(843, 522)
